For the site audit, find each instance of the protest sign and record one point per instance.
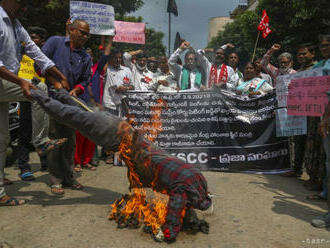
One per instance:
(282, 83)
(214, 130)
(100, 17)
(27, 70)
(130, 32)
(288, 125)
(307, 96)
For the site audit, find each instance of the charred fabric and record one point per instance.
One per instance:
(147, 167)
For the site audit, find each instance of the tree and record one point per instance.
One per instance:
(153, 46)
(52, 15)
(293, 22)
(242, 32)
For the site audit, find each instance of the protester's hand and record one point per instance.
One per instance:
(252, 93)
(238, 92)
(26, 86)
(139, 51)
(100, 106)
(68, 22)
(75, 92)
(276, 47)
(210, 50)
(65, 84)
(230, 45)
(185, 45)
(57, 85)
(121, 89)
(163, 82)
(202, 88)
(221, 85)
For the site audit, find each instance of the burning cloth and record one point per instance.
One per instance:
(148, 165)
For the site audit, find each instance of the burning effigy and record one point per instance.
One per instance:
(147, 167)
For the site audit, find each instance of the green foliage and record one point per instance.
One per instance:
(293, 22)
(52, 15)
(243, 33)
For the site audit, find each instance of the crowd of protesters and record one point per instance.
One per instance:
(63, 62)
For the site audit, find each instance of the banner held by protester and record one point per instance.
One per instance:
(100, 17)
(216, 130)
(307, 96)
(130, 32)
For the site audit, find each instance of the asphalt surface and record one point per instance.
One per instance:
(250, 211)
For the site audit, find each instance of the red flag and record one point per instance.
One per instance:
(264, 25)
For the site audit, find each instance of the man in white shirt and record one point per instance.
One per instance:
(189, 76)
(233, 61)
(118, 81)
(142, 78)
(165, 80)
(218, 73)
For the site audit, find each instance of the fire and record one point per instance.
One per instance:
(134, 209)
(154, 126)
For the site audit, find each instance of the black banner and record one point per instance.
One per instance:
(215, 130)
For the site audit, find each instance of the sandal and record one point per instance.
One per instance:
(78, 168)
(89, 167)
(50, 145)
(26, 175)
(57, 189)
(6, 181)
(315, 197)
(10, 201)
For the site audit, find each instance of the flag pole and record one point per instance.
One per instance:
(169, 34)
(255, 47)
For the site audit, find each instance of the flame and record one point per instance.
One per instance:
(152, 213)
(154, 126)
(135, 206)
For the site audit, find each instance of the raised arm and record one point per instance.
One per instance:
(127, 58)
(265, 61)
(175, 68)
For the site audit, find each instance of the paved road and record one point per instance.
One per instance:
(250, 211)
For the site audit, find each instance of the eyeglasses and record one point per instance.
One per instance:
(83, 33)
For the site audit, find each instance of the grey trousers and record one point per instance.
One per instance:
(10, 92)
(100, 127)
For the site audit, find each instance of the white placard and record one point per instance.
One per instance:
(100, 17)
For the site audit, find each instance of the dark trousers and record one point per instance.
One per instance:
(60, 161)
(299, 143)
(24, 135)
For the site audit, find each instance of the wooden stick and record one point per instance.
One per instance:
(255, 47)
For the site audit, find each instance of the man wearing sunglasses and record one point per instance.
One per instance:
(13, 40)
(69, 55)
